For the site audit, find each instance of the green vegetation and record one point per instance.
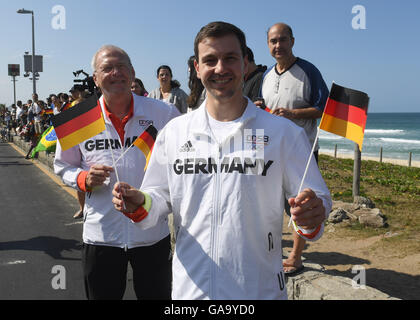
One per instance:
(394, 189)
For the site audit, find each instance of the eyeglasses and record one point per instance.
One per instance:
(110, 68)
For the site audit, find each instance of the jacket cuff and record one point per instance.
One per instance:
(141, 211)
(81, 181)
(309, 235)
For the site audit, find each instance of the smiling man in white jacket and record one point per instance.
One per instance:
(224, 170)
(110, 240)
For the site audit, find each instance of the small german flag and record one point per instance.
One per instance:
(79, 123)
(345, 113)
(146, 141)
(267, 109)
(47, 112)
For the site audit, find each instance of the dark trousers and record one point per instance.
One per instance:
(105, 271)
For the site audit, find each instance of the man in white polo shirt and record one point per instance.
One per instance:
(293, 88)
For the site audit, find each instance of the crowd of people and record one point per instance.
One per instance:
(228, 210)
(31, 119)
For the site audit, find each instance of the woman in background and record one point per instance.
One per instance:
(169, 90)
(138, 88)
(197, 93)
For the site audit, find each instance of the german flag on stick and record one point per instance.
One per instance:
(146, 141)
(345, 113)
(47, 112)
(267, 109)
(79, 123)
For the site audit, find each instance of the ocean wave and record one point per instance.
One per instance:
(384, 131)
(394, 140)
(329, 136)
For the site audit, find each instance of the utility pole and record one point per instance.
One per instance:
(356, 170)
(14, 89)
(33, 54)
(24, 11)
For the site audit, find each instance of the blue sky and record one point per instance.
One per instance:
(381, 60)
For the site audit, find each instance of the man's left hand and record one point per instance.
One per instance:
(283, 112)
(307, 210)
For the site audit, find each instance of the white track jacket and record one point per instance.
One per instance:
(103, 224)
(228, 201)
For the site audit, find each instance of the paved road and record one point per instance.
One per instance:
(40, 242)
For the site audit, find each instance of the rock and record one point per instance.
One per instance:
(338, 216)
(391, 234)
(362, 210)
(349, 207)
(363, 202)
(352, 217)
(374, 219)
(330, 229)
(314, 284)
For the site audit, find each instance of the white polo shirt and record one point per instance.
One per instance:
(300, 86)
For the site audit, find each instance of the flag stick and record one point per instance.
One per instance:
(132, 144)
(112, 154)
(306, 169)
(125, 151)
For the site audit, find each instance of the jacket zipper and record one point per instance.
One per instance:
(216, 217)
(215, 225)
(126, 221)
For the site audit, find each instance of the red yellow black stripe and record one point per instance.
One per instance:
(79, 109)
(349, 96)
(79, 123)
(47, 111)
(146, 140)
(345, 113)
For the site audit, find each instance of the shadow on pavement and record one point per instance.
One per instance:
(52, 246)
(14, 163)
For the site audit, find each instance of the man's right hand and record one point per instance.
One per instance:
(259, 103)
(97, 174)
(126, 198)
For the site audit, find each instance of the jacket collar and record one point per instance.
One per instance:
(138, 107)
(200, 124)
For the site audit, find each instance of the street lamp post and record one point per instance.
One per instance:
(23, 11)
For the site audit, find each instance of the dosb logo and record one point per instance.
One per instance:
(257, 139)
(145, 123)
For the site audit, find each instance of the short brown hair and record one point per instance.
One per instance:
(219, 29)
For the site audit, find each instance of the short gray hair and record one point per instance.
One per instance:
(108, 47)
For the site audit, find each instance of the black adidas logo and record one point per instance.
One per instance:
(187, 147)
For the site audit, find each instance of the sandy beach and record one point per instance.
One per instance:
(401, 162)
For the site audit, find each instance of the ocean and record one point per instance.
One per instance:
(397, 133)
